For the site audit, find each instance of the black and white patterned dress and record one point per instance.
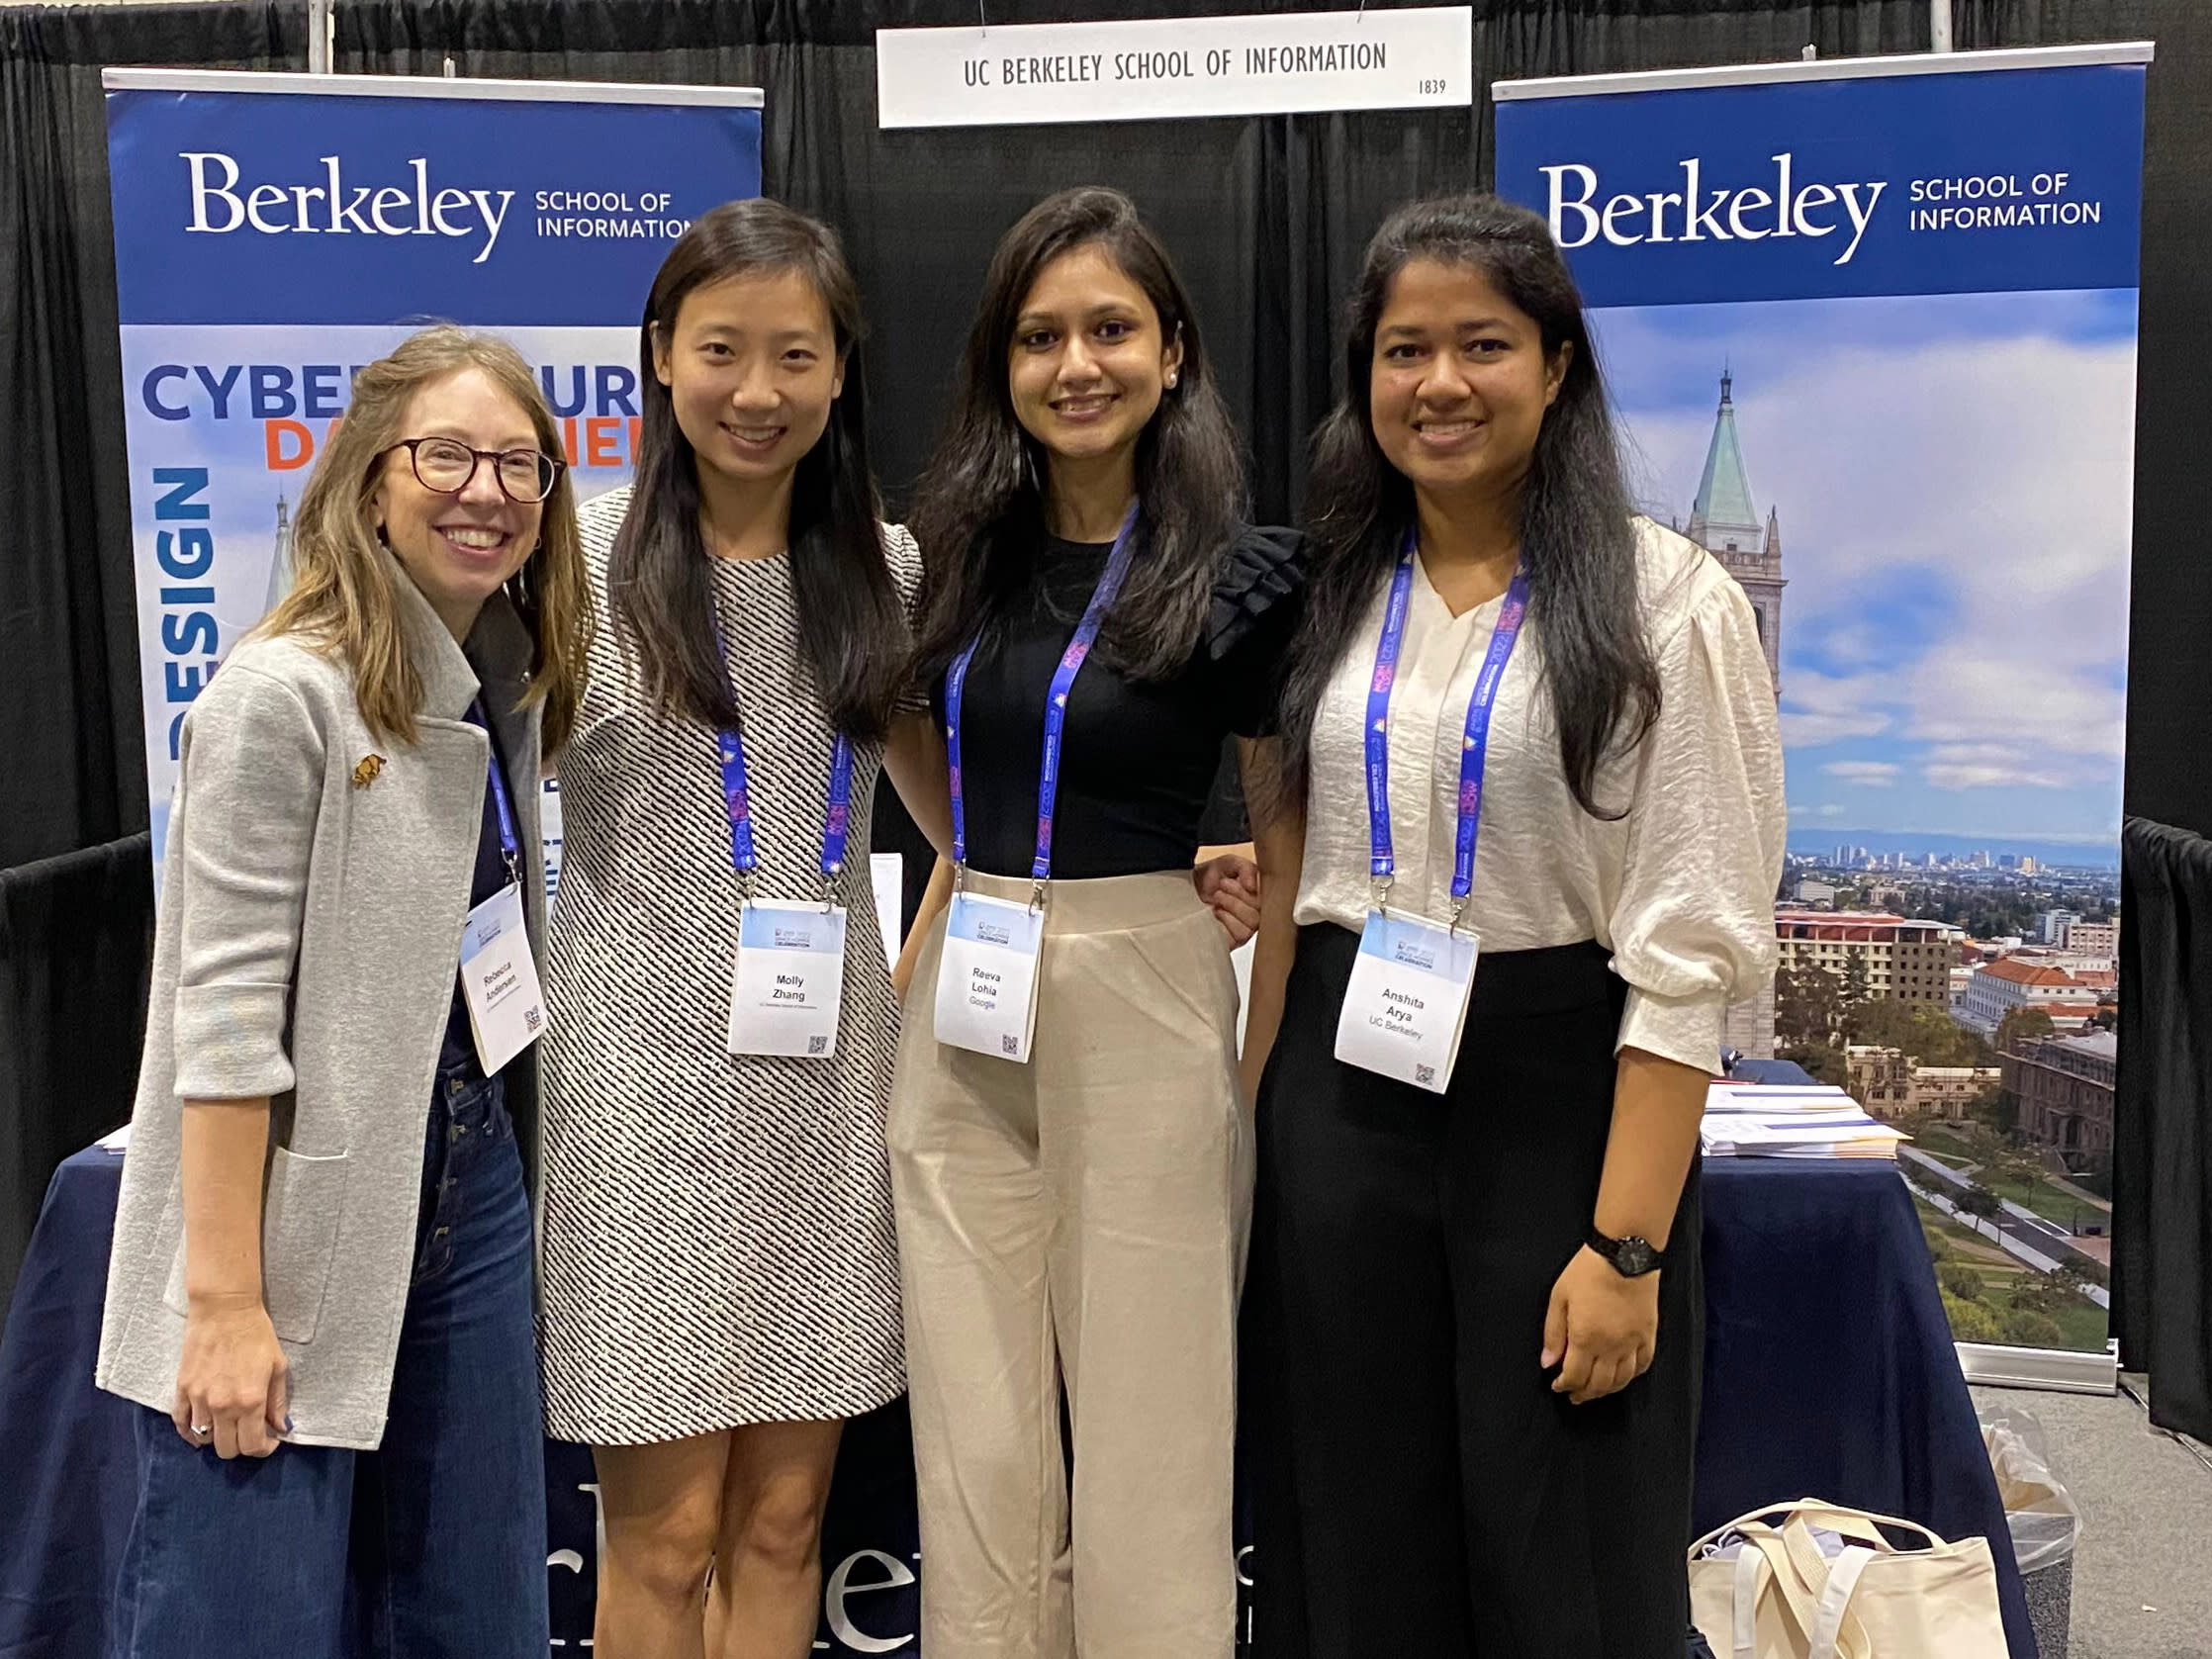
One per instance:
(717, 1247)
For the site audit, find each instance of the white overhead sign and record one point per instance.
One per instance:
(1295, 63)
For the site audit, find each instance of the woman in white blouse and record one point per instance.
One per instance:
(1473, 1341)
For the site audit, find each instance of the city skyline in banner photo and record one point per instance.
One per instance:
(1907, 429)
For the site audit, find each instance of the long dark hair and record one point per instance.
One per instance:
(852, 628)
(980, 507)
(1578, 538)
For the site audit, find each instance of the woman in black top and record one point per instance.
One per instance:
(1071, 1194)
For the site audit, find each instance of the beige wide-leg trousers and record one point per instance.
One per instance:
(1079, 1220)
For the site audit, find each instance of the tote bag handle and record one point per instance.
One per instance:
(1806, 1595)
(1819, 1511)
(1836, 1602)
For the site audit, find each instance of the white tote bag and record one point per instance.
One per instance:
(1817, 1581)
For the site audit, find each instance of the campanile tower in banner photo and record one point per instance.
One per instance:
(1724, 520)
(1726, 524)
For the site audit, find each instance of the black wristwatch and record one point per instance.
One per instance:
(1631, 1258)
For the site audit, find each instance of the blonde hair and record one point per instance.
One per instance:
(343, 600)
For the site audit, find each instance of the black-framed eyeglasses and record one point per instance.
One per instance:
(447, 466)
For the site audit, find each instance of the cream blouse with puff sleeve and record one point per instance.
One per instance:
(1680, 889)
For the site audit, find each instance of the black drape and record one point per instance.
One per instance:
(72, 771)
(76, 944)
(1267, 217)
(2162, 1131)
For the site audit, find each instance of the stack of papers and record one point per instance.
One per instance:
(1751, 1120)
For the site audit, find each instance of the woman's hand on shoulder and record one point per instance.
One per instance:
(231, 1379)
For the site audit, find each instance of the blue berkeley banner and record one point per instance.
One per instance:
(1869, 327)
(1870, 330)
(273, 233)
(1975, 180)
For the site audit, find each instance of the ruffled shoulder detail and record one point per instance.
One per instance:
(1263, 571)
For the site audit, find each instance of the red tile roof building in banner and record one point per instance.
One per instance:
(2000, 987)
(1904, 959)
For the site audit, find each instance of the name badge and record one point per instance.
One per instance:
(790, 980)
(499, 980)
(1406, 1003)
(986, 985)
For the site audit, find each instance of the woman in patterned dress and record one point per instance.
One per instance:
(721, 1283)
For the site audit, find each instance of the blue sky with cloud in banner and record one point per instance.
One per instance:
(1954, 475)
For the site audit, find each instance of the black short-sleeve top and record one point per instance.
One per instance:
(1137, 758)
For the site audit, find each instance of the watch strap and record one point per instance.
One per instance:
(1631, 1258)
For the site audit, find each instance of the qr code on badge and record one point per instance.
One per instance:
(1424, 1074)
(817, 1044)
(1008, 1043)
(532, 1020)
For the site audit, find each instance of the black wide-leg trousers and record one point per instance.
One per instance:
(1418, 1489)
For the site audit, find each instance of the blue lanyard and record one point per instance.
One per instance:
(510, 839)
(1055, 709)
(1473, 753)
(737, 795)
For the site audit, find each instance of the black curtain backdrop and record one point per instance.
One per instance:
(76, 946)
(2162, 1146)
(1267, 217)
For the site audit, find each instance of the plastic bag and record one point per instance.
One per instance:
(2040, 1513)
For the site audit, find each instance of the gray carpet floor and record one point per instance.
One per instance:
(2143, 1571)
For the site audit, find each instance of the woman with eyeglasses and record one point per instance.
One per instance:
(320, 1287)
